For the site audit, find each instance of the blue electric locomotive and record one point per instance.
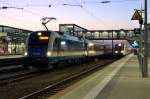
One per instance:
(50, 48)
(46, 49)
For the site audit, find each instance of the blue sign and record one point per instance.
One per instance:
(135, 44)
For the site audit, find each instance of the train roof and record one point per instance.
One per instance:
(59, 35)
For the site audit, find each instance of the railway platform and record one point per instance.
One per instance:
(119, 80)
(10, 56)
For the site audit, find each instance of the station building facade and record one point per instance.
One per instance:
(12, 40)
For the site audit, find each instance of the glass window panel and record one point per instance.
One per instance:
(88, 35)
(104, 34)
(96, 34)
(80, 34)
(122, 34)
(66, 29)
(114, 34)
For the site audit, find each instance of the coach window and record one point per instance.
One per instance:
(64, 46)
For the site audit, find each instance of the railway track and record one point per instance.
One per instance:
(59, 85)
(13, 72)
(12, 61)
(11, 69)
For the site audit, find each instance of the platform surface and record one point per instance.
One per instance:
(119, 80)
(11, 56)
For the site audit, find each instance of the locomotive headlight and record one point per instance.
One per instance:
(63, 43)
(49, 53)
(85, 53)
(119, 44)
(39, 33)
(25, 54)
(122, 51)
(116, 52)
(90, 44)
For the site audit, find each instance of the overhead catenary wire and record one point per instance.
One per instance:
(30, 24)
(6, 7)
(92, 15)
(55, 2)
(33, 13)
(18, 20)
(78, 4)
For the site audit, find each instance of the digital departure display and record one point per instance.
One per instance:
(43, 37)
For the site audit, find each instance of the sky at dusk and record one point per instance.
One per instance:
(90, 14)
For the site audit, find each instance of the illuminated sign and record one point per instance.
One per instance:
(43, 37)
(135, 44)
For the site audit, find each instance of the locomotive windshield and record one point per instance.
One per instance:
(39, 39)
